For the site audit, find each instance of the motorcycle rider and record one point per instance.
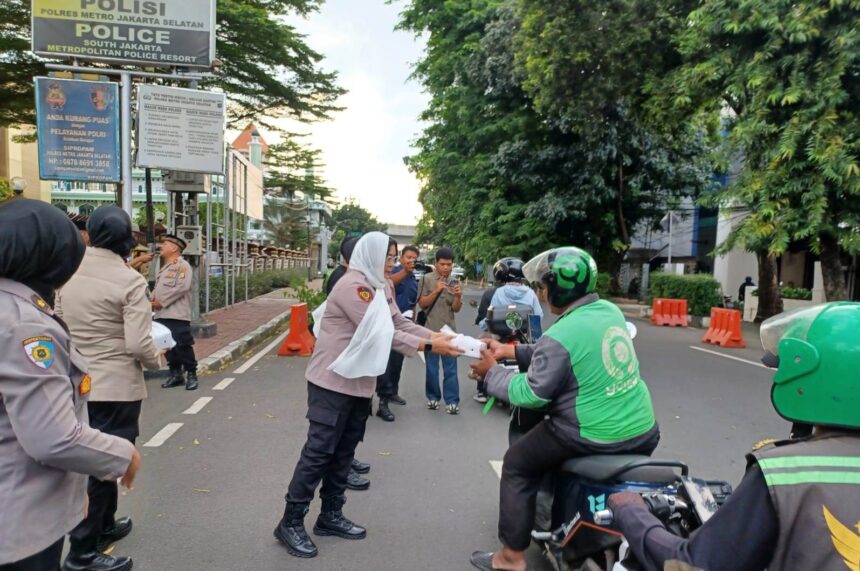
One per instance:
(510, 290)
(798, 506)
(585, 373)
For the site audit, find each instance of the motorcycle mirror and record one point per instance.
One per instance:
(632, 329)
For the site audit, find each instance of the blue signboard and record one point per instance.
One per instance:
(78, 129)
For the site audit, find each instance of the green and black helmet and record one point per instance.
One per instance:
(568, 273)
(816, 353)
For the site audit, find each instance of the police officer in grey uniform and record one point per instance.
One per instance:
(172, 304)
(339, 402)
(47, 448)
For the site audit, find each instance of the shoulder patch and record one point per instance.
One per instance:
(86, 385)
(40, 351)
(41, 304)
(762, 443)
(365, 294)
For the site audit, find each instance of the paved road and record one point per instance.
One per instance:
(210, 495)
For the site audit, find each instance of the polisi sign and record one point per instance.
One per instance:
(151, 32)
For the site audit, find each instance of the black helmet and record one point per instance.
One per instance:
(568, 274)
(508, 270)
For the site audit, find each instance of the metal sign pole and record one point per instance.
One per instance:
(125, 136)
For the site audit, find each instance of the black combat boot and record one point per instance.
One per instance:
(332, 521)
(292, 533)
(191, 383)
(95, 561)
(354, 481)
(120, 529)
(174, 380)
(384, 412)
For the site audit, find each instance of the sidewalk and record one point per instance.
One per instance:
(240, 328)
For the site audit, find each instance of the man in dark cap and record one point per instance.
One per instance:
(47, 448)
(172, 304)
(106, 306)
(346, 248)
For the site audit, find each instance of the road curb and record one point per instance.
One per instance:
(218, 359)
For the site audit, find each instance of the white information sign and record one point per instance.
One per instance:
(180, 129)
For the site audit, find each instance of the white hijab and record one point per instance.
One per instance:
(368, 350)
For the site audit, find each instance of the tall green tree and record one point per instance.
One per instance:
(268, 70)
(784, 76)
(350, 218)
(286, 224)
(505, 175)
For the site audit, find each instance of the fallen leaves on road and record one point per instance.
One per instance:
(385, 453)
(269, 415)
(196, 442)
(202, 490)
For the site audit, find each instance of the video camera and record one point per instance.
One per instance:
(422, 267)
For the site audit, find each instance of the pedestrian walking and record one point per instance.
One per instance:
(47, 448)
(172, 305)
(106, 306)
(402, 276)
(441, 299)
(360, 321)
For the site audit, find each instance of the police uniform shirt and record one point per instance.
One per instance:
(173, 291)
(47, 448)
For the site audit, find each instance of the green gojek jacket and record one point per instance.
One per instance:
(585, 373)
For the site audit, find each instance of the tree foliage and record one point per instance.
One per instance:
(784, 75)
(286, 224)
(351, 219)
(507, 173)
(268, 70)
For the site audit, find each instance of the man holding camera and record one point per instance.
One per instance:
(406, 294)
(441, 298)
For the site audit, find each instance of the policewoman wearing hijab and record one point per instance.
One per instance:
(47, 448)
(107, 308)
(360, 325)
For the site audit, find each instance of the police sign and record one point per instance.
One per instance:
(154, 32)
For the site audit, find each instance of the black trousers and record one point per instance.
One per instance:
(536, 453)
(119, 419)
(46, 560)
(181, 357)
(337, 423)
(388, 383)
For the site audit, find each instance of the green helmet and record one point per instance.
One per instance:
(818, 376)
(568, 274)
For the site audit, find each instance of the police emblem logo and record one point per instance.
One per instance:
(40, 351)
(86, 385)
(364, 294)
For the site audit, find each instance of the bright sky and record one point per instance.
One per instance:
(364, 145)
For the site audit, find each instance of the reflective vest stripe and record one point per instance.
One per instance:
(809, 461)
(812, 477)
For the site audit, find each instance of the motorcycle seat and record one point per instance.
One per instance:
(626, 468)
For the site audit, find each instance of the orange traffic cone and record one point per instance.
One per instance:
(299, 342)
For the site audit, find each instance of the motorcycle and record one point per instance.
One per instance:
(572, 527)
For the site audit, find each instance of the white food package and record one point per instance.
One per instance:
(471, 347)
(161, 337)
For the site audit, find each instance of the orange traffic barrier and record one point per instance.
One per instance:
(725, 328)
(669, 312)
(300, 341)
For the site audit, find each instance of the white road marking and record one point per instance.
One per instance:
(223, 384)
(497, 467)
(198, 405)
(732, 357)
(163, 435)
(253, 360)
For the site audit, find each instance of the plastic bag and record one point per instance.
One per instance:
(162, 337)
(368, 350)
